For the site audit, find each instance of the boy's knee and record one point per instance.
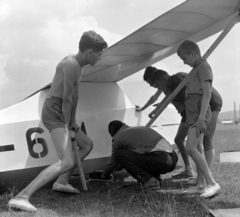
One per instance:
(188, 149)
(179, 141)
(89, 145)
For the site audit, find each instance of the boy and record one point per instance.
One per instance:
(163, 81)
(58, 116)
(149, 71)
(142, 151)
(198, 113)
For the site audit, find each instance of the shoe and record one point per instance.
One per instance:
(193, 180)
(195, 190)
(97, 176)
(183, 174)
(130, 179)
(65, 188)
(152, 184)
(21, 203)
(211, 190)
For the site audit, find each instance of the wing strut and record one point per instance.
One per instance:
(186, 79)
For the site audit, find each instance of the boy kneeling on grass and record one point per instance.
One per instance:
(198, 115)
(142, 151)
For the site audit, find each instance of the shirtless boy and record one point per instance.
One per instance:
(58, 116)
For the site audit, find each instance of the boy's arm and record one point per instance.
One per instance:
(158, 106)
(112, 163)
(74, 109)
(69, 75)
(150, 101)
(200, 124)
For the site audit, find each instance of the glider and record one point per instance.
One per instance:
(26, 147)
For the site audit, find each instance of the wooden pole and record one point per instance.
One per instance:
(79, 164)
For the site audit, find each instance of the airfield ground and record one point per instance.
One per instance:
(118, 199)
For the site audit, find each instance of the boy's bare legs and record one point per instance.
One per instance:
(201, 180)
(192, 149)
(209, 151)
(62, 143)
(85, 145)
(179, 140)
(192, 143)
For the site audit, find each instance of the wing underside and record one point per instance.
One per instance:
(194, 20)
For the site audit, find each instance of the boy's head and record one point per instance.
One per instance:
(93, 45)
(159, 79)
(114, 127)
(149, 71)
(189, 52)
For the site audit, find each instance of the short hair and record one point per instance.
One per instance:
(92, 40)
(159, 75)
(149, 71)
(187, 46)
(114, 127)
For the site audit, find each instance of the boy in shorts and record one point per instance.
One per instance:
(58, 116)
(198, 114)
(163, 81)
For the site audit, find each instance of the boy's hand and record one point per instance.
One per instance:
(150, 115)
(200, 125)
(138, 108)
(74, 127)
(71, 134)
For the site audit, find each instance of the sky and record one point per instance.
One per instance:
(36, 35)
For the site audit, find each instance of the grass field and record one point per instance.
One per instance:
(119, 199)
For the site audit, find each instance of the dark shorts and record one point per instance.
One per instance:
(52, 116)
(183, 114)
(193, 108)
(215, 101)
(215, 105)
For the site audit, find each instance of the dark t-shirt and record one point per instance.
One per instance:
(178, 101)
(138, 139)
(172, 83)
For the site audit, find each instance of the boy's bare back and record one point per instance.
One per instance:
(68, 71)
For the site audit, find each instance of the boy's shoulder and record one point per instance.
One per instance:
(203, 68)
(176, 78)
(69, 60)
(202, 63)
(180, 75)
(68, 63)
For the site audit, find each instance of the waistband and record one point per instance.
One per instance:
(163, 145)
(193, 95)
(55, 99)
